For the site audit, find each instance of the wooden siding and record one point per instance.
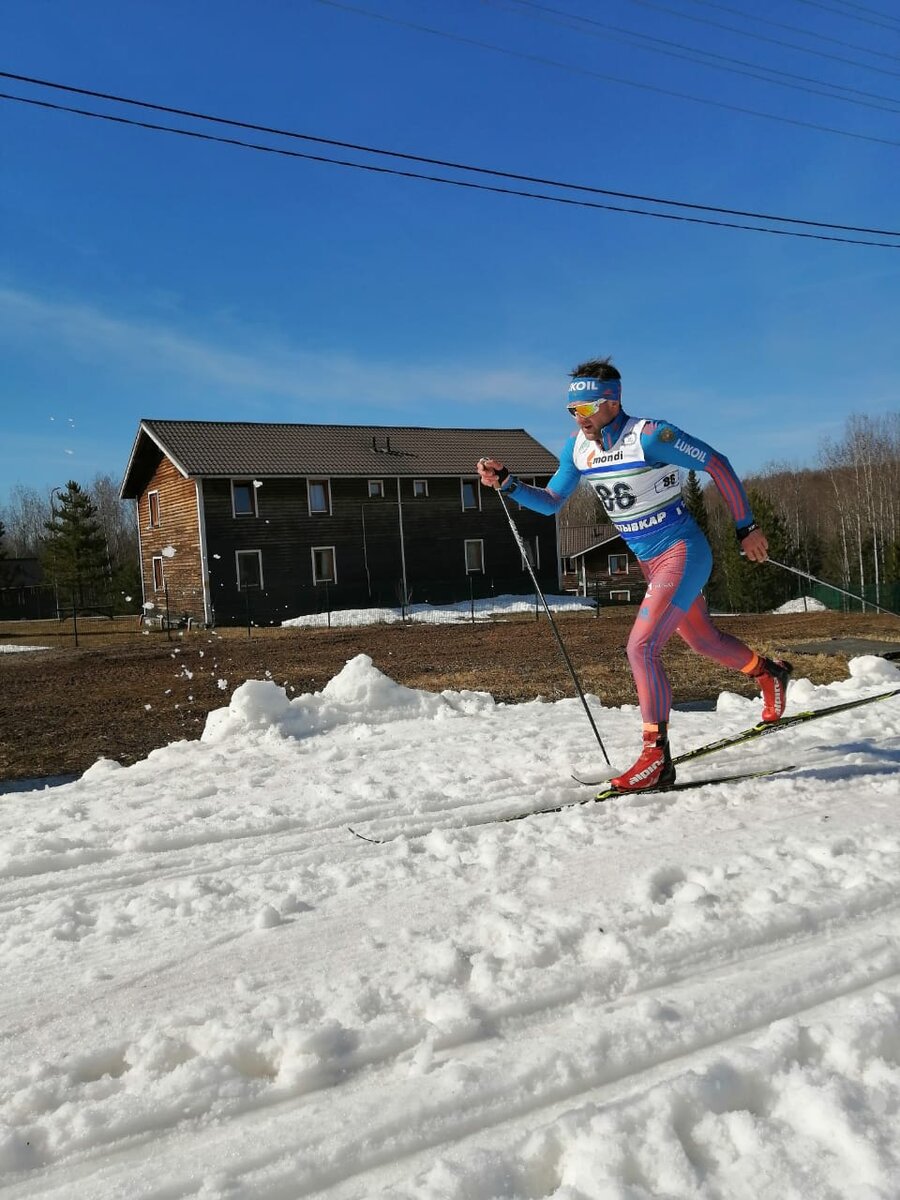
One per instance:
(366, 535)
(600, 580)
(178, 528)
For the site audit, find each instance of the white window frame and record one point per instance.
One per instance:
(473, 542)
(254, 511)
(319, 512)
(318, 549)
(620, 594)
(612, 570)
(420, 489)
(376, 489)
(151, 524)
(158, 587)
(476, 491)
(237, 567)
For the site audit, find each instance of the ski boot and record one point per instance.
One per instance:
(654, 767)
(772, 676)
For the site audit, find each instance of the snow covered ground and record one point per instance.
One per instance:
(212, 989)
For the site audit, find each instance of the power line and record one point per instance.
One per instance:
(460, 183)
(690, 54)
(851, 17)
(573, 69)
(417, 158)
(811, 33)
(761, 37)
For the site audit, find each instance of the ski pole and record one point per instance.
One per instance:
(833, 586)
(537, 587)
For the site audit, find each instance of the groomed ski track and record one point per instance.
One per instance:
(267, 1007)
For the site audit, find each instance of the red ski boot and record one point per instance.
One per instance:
(654, 767)
(772, 676)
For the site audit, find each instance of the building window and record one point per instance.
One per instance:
(623, 595)
(618, 564)
(249, 569)
(420, 489)
(471, 499)
(376, 489)
(243, 498)
(159, 579)
(323, 564)
(533, 550)
(319, 491)
(153, 509)
(474, 556)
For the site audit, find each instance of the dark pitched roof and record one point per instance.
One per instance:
(245, 448)
(575, 540)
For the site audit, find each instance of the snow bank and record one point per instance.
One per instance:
(804, 604)
(10, 649)
(359, 695)
(485, 609)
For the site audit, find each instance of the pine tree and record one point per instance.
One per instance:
(75, 554)
(755, 587)
(696, 501)
(2, 541)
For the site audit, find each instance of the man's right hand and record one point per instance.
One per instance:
(491, 472)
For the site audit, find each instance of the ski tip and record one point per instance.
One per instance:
(595, 778)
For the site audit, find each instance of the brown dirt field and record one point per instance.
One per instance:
(120, 695)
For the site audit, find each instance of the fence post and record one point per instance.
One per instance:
(74, 617)
(597, 596)
(472, 598)
(327, 605)
(168, 619)
(247, 603)
(537, 607)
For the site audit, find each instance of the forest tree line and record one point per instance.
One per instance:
(838, 520)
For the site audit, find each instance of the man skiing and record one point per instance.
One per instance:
(635, 465)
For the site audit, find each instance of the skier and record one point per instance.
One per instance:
(635, 465)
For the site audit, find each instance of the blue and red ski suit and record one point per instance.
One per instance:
(637, 470)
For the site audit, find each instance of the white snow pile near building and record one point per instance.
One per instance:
(803, 604)
(485, 608)
(211, 989)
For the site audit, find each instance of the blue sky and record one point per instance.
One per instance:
(148, 275)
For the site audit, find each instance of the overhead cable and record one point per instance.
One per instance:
(460, 183)
(761, 37)
(418, 158)
(861, 8)
(734, 66)
(571, 68)
(802, 30)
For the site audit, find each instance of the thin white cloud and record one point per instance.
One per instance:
(269, 368)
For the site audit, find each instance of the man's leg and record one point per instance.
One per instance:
(770, 674)
(675, 579)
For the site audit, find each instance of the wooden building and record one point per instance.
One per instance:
(277, 520)
(597, 562)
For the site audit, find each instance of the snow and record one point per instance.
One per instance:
(484, 609)
(11, 649)
(804, 604)
(212, 989)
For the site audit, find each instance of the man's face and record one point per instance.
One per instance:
(591, 426)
